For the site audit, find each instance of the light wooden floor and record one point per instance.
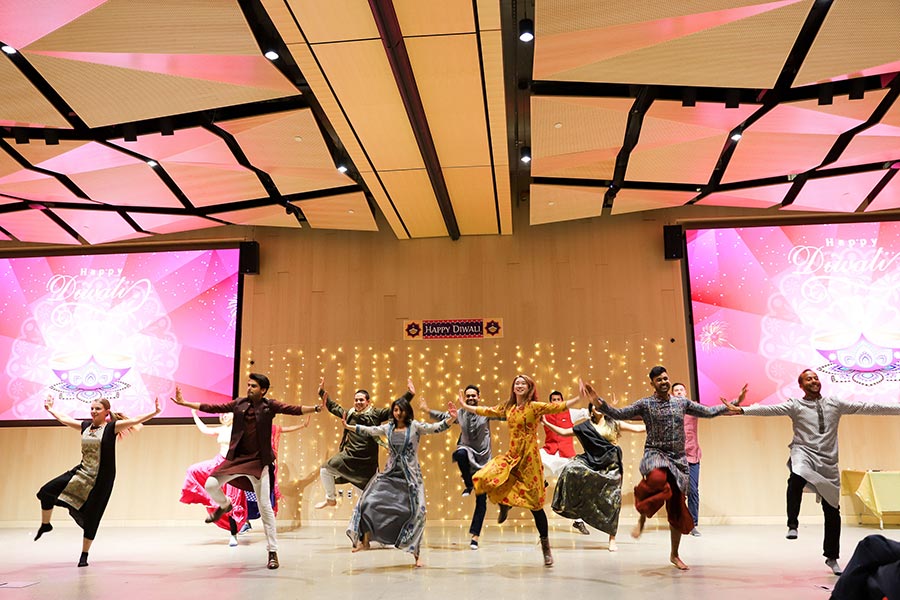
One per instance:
(135, 563)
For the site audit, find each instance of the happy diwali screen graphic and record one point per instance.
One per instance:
(127, 327)
(769, 302)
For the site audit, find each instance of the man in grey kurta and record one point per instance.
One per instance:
(814, 453)
(357, 459)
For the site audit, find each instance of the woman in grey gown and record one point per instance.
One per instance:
(392, 508)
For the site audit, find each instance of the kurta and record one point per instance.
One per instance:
(590, 485)
(516, 477)
(85, 489)
(474, 435)
(357, 459)
(814, 448)
(664, 419)
(392, 507)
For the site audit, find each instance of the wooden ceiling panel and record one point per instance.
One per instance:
(858, 37)
(761, 155)
(888, 198)
(554, 203)
(134, 185)
(335, 20)
(448, 75)
(262, 216)
(472, 196)
(361, 78)
(347, 212)
(171, 223)
(836, 194)
(35, 226)
(724, 44)
(492, 65)
(488, 15)
(639, 200)
(755, 197)
(446, 17)
(103, 95)
(207, 185)
(22, 104)
(98, 227)
(577, 137)
(37, 187)
(413, 196)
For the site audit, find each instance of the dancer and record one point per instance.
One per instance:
(692, 453)
(85, 489)
(589, 487)
(250, 497)
(558, 450)
(473, 451)
(357, 459)
(872, 573)
(193, 491)
(250, 451)
(516, 477)
(392, 507)
(663, 466)
(813, 462)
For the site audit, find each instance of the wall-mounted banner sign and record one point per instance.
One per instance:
(452, 328)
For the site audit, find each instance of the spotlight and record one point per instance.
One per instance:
(526, 30)
(736, 136)
(525, 154)
(8, 49)
(271, 55)
(342, 168)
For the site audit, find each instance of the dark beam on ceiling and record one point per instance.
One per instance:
(642, 102)
(398, 57)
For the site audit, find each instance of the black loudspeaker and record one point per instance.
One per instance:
(673, 241)
(249, 261)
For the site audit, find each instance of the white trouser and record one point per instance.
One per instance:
(263, 490)
(327, 475)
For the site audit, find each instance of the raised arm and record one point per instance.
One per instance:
(292, 428)
(632, 427)
(180, 401)
(203, 427)
(619, 414)
(563, 431)
(123, 424)
(60, 416)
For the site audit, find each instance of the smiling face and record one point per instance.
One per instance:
(661, 384)
(360, 401)
(810, 384)
(520, 386)
(99, 412)
(471, 396)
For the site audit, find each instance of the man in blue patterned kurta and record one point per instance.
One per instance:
(664, 465)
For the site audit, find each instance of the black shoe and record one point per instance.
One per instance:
(273, 561)
(791, 534)
(504, 512)
(579, 525)
(82, 561)
(217, 514)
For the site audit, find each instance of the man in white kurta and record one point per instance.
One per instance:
(814, 453)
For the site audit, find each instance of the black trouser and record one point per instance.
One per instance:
(540, 521)
(831, 546)
(461, 458)
(873, 571)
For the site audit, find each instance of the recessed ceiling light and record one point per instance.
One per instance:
(8, 49)
(298, 138)
(271, 55)
(551, 203)
(557, 125)
(349, 211)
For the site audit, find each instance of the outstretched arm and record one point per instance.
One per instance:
(180, 401)
(619, 414)
(563, 431)
(123, 424)
(203, 427)
(292, 428)
(632, 427)
(60, 416)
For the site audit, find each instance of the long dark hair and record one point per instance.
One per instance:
(407, 409)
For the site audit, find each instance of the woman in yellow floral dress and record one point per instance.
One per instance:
(516, 477)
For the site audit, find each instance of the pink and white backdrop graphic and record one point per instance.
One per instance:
(127, 327)
(769, 302)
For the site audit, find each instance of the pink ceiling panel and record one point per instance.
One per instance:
(98, 227)
(638, 200)
(251, 71)
(84, 158)
(888, 198)
(4, 237)
(836, 194)
(170, 223)
(807, 117)
(865, 149)
(196, 145)
(136, 185)
(39, 188)
(35, 226)
(756, 197)
(21, 23)
(761, 155)
(206, 185)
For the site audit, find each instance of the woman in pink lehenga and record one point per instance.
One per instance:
(193, 491)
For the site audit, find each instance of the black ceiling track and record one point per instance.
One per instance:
(398, 57)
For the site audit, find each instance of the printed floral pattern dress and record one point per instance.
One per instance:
(516, 477)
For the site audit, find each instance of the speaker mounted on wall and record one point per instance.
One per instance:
(673, 242)
(249, 261)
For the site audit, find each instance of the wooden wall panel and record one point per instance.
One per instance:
(593, 298)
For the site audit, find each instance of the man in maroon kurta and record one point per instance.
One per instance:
(246, 464)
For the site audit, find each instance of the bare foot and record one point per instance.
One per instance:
(362, 544)
(419, 563)
(613, 547)
(679, 564)
(324, 503)
(639, 528)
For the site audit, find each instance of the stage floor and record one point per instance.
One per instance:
(737, 562)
